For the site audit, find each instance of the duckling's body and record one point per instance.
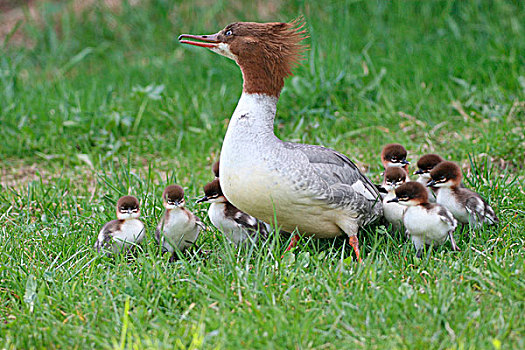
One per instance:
(467, 206)
(426, 223)
(124, 233)
(393, 178)
(237, 226)
(179, 228)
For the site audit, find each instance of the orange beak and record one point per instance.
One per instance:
(208, 41)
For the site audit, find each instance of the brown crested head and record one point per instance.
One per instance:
(412, 193)
(212, 192)
(265, 52)
(128, 204)
(213, 189)
(394, 154)
(215, 169)
(395, 175)
(446, 174)
(428, 162)
(173, 195)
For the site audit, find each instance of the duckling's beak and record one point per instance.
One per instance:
(431, 183)
(202, 200)
(209, 41)
(405, 162)
(394, 200)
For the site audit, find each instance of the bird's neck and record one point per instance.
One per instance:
(254, 116)
(262, 75)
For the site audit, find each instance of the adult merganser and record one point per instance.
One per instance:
(179, 228)
(467, 206)
(394, 155)
(313, 189)
(425, 164)
(236, 225)
(426, 223)
(394, 177)
(125, 232)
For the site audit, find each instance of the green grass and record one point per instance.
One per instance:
(108, 103)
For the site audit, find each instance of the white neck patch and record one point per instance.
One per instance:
(224, 50)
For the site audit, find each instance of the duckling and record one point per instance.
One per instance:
(237, 226)
(467, 206)
(393, 178)
(179, 228)
(426, 223)
(125, 232)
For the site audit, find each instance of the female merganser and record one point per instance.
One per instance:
(394, 177)
(125, 232)
(179, 228)
(394, 155)
(236, 225)
(426, 223)
(467, 206)
(313, 189)
(425, 164)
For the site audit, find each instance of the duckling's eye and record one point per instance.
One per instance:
(394, 159)
(122, 208)
(228, 33)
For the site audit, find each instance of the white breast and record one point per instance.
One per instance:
(179, 230)
(447, 199)
(426, 224)
(393, 212)
(233, 231)
(251, 158)
(131, 232)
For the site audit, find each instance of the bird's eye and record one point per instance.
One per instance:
(228, 33)
(394, 159)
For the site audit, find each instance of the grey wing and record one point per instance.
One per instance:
(250, 223)
(477, 207)
(105, 234)
(262, 229)
(490, 215)
(446, 216)
(345, 184)
(245, 220)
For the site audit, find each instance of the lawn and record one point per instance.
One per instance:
(98, 103)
